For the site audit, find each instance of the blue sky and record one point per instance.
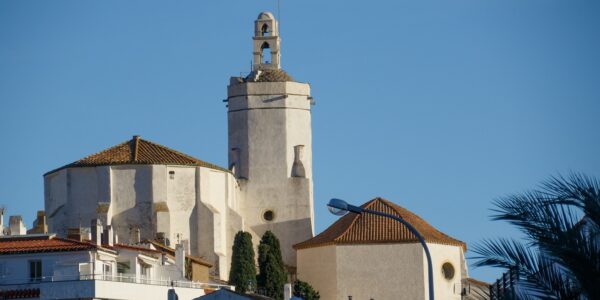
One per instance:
(439, 106)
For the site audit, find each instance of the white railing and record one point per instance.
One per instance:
(115, 278)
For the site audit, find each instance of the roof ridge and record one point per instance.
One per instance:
(139, 151)
(98, 152)
(369, 229)
(391, 205)
(354, 219)
(171, 150)
(136, 146)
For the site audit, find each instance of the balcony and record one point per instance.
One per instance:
(108, 287)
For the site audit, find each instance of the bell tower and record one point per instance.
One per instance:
(266, 43)
(270, 145)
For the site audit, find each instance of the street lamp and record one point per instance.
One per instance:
(340, 207)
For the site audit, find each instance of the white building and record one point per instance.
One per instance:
(48, 267)
(140, 186)
(371, 257)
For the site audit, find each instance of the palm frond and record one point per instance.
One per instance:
(562, 220)
(540, 277)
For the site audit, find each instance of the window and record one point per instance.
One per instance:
(35, 270)
(269, 215)
(123, 267)
(172, 174)
(448, 271)
(145, 271)
(106, 269)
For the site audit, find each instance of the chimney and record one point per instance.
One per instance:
(180, 258)
(39, 225)
(161, 237)
(108, 236)
(74, 234)
(42, 227)
(134, 237)
(96, 228)
(16, 225)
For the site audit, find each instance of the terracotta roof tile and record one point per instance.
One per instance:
(44, 243)
(372, 229)
(138, 151)
(136, 248)
(268, 75)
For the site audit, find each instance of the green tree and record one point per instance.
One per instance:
(242, 273)
(560, 256)
(305, 291)
(272, 275)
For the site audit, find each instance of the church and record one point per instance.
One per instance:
(146, 191)
(142, 191)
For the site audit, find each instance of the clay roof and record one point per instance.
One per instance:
(372, 229)
(136, 248)
(138, 151)
(41, 243)
(269, 75)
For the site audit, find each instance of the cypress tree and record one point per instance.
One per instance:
(272, 275)
(305, 291)
(242, 273)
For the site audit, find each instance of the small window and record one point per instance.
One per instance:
(145, 271)
(123, 267)
(172, 174)
(106, 269)
(35, 270)
(269, 215)
(448, 271)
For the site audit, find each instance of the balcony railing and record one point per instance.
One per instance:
(115, 278)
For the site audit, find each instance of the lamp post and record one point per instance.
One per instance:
(340, 207)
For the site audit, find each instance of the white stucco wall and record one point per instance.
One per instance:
(181, 199)
(203, 204)
(380, 271)
(440, 254)
(15, 268)
(266, 121)
(318, 266)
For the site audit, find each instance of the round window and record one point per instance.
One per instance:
(269, 215)
(448, 271)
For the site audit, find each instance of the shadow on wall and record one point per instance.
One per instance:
(294, 230)
(140, 214)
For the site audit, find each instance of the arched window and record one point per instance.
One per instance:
(265, 30)
(265, 56)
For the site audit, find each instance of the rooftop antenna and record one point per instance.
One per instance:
(279, 15)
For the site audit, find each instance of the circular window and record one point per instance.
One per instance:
(269, 215)
(448, 271)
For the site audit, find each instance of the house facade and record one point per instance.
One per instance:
(49, 267)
